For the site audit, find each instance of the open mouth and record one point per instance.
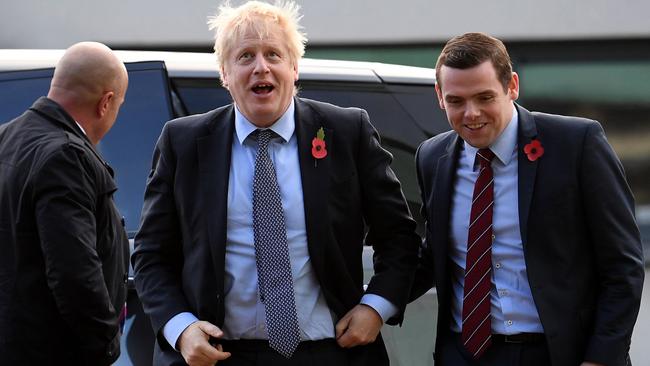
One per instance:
(263, 88)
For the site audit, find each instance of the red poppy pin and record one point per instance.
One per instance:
(318, 147)
(534, 150)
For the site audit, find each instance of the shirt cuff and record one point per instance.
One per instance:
(385, 308)
(176, 325)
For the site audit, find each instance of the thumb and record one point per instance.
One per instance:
(342, 325)
(211, 329)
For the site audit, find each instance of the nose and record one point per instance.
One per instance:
(472, 111)
(261, 65)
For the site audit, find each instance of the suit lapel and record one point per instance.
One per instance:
(442, 193)
(315, 183)
(214, 153)
(527, 169)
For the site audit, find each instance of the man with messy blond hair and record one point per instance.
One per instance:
(232, 23)
(256, 213)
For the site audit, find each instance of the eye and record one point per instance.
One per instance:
(245, 56)
(486, 98)
(273, 55)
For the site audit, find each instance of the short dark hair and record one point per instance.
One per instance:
(472, 49)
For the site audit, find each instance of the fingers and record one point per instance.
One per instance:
(195, 347)
(342, 325)
(359, 326)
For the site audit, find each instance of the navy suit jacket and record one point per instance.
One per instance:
(581, 244)
(180, 247)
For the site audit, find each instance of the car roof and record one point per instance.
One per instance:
(204, 65)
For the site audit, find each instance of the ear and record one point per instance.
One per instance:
(224, 77)
(295, 71)
(513, 87)
(103, 105)
(441, 101)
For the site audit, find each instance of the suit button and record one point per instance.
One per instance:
(126, 278)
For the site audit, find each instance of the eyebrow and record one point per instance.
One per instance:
(489, 92)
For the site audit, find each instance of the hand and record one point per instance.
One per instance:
(359, 326)
(195, 347)
(591, 364)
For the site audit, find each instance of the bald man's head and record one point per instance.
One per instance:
(90, 83)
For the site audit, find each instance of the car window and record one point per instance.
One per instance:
(128, 146)
(201, 95)
(19, 89)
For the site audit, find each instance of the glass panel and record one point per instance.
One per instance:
(20, 89)
(201, 95)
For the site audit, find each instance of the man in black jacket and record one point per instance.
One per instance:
(256, 213)
(63, 248)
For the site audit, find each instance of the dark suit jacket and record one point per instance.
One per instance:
(581, 244)
(64, 252)
(180, 247)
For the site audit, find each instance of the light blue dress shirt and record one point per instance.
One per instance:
(244, 312)
(513, 309)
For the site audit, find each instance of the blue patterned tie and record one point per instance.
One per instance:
(272, 254)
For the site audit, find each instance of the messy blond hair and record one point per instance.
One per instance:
(231, 23)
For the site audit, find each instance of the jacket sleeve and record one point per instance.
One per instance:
(65, 203)
(424, 275)
(391, 230)
(609, 207)
(158, 258)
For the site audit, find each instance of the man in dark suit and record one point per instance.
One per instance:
(255, 214)
(65, 254)
(531, 240)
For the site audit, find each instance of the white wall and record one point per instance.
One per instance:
(56, 24)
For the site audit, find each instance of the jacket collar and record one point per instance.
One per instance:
(54, 112)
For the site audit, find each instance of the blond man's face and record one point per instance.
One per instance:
(260, 75)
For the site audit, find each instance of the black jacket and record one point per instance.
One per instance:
(180, 248)
(63, 248)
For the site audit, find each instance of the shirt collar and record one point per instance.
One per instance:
(81, 128)
(284, 126)
(504, 145)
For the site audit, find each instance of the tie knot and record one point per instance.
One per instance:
(263, 138)
(485, 156)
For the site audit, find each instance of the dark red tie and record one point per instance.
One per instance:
(477, 327)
